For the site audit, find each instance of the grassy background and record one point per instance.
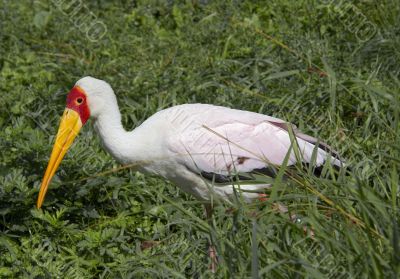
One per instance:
(296, 60)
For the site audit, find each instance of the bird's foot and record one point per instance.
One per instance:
(213, 258)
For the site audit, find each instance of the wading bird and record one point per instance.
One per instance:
(208, 151)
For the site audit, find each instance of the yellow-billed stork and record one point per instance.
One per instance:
(203, 149)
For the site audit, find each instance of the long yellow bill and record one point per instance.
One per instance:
(69, 127)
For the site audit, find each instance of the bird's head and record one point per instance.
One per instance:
(89, 98)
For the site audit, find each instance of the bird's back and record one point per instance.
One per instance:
(219, 144)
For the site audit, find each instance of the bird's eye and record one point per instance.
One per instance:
(79, 101)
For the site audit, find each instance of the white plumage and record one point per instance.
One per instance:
(182, 142)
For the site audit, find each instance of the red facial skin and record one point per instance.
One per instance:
(77, 101)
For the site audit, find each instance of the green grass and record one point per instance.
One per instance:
(295, 60)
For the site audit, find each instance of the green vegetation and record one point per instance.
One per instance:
(297, 60)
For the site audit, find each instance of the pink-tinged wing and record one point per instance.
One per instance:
(225, 141)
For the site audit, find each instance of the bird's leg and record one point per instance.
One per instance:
(212, 253)
(283, 209)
